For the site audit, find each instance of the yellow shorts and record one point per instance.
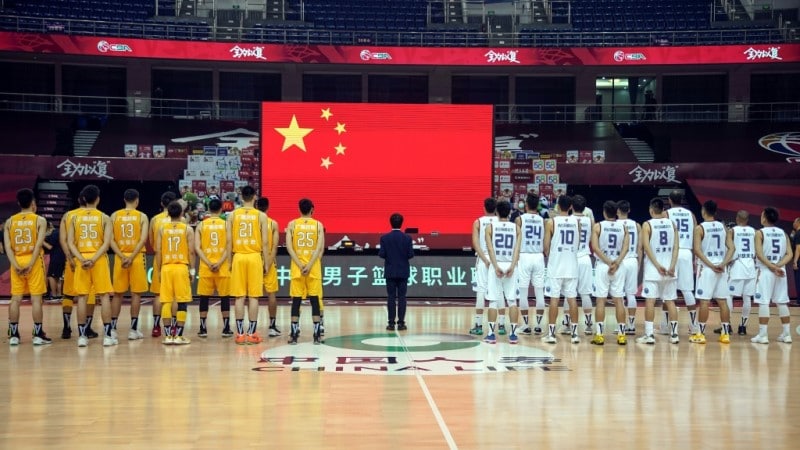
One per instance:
(155, 283)
(133, 278)
(271, 280)
(68, 287)
(98, 277)
(209, 285)
(247, 275)
(305, 287)
(33, 282)
(176, 284)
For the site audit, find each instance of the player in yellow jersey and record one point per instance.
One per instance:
(130, 270)
(24, 235)
(305, 241)
(175, 254)
(271, 275)
(247, 236)
(211, 246)
(89, 237)
(155, 285)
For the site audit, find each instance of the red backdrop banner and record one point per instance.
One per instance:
(379, 55)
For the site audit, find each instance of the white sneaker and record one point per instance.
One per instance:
(83, 341)
(589, 330)
(273, 332)
(785, 338)
(13, 340)
(114, 334)
(646, 339)
(134, 335)
(664, 330)
(575, 339)
(565, 330)
(759, 339)
(109, 341)
(674, 339)
(549, 339)
(41, 341)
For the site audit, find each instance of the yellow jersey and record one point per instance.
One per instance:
(246, 230)
(23, 233)
(213, 238)
(89, 230)
(174, 243)
(128, 229)
(159, 220)
(305, 236)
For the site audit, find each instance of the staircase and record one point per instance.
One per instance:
(83, 141)
(52, 200)
(454, 11)
(640, 149)
(187, 8)
(275, 10)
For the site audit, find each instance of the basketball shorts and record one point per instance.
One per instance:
(247, 275)
(665, 289)
(155, 282)
(305, 287)
(771, 288)
(568, 287)
(502, 290)
(210, 285)
(629, 271)
(710, 284)
(32, 283)
(605, 284)
(480, 282)
(176, 284)
(742, 278)
(98, 276)
(585, 275)
(133, 277)
(684, 269)
(271, 280)
(68, 288)
(530, 269)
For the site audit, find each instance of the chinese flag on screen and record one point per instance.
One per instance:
(361, 162)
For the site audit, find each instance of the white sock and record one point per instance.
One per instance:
(501, 320)
(586, 301)
(587, 319)
(478, 320)
(786, 330)
(631, 301)
(665, 320)
(539, 318)
(648, 328)
(600, 326)
(762, 330)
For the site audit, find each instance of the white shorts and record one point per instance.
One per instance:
(684, 269)
(770, 288)
(710, 285)
(738, 288)
(530, 269)
(629, 271)
(605, 283)
(481, 279)
(742, 270)
(502, 290)
(665, 289)
(585, 275)
(568, 287)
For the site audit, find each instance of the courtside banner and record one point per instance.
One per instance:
(118, 47)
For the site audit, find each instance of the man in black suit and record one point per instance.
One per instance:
(396, 249)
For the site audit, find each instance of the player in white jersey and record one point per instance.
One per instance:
(530, 269)
(482, 261)
(629, 269)
(659, 242)
(561, 238)
(685, 222)
(585, 267)
(610, 242)
(742, 269)
(503, 243)
(774, 251)
(713, 255)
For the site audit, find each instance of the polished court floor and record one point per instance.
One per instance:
(433, 387)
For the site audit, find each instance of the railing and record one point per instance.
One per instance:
(459, 38)
(221, 109)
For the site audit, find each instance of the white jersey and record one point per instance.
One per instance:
(482, 222)
(585, 234)
(612, 235)
(633, 238)
(532, 227)
(682, 218)
(662, 243)
(562, 262)
(774, 245)
(713, 243)
(504, 239)
(744, 253)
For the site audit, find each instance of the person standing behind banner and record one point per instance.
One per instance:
(396, 250)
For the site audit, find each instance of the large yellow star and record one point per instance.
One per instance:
(340, 149)
(326, 113)
(340, 128)
(326, 163)
(294, 135)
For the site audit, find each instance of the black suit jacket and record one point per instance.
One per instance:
(396, 249)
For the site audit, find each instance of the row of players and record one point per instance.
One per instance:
(236, 259)
(739, 261)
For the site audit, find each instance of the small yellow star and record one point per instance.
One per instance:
(326, 163)
(340, 128)
(340, 149)
(326, 113)
(294, 135)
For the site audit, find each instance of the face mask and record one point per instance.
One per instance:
(521, 206)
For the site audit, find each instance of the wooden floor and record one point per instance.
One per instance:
(214, 394)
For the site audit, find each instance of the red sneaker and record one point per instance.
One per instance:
(240, 339)
(156, 332)
(253, 339)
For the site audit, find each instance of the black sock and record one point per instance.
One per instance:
(107, 329)
(174, 322)
(156, 320)
(13, 329)
(167, 330)
(67, 317)
(226, 323)
(89, 320)
(272, 322)
(202, 323)
(295, 328)
(134, 323)
(180, 330)
(82, 329)
(252, 326)
(37, 328)
(113, 323)
(240, 326)
(316, 329)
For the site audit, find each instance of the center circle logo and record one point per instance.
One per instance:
(619, 56)
(365, 55)
(411, 354)
(103, 46)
